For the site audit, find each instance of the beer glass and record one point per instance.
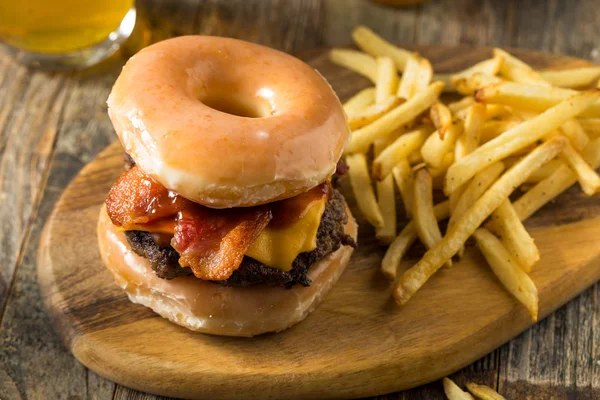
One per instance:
(64, 34)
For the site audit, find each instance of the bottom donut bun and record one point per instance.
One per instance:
(210, 308)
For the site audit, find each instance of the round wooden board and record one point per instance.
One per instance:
(357, 343)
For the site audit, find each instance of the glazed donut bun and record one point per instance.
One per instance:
(226, 123)
(211, 308)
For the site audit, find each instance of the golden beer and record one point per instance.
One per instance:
(61, 26)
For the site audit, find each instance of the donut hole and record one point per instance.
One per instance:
(238, 106)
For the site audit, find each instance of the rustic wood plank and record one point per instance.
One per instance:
(576, 29)
(284, 25)
(8, 387)
(394, 24)
(98, 388)
(534, 25)
(31, 106)
(452, 22)
(34, 358)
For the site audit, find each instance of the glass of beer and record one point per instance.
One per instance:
(65, 34)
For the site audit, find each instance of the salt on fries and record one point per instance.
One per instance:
(514, 128)
(402, 242)
(423, 213)
(400, 149)
(518, 283)
(397, 117)
(455, 238)
(516, 139)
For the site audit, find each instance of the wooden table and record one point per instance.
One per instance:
(51, 124)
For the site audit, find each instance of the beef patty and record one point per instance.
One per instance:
(330, 236)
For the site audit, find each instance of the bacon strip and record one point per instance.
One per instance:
(136, 198)
(211, 242)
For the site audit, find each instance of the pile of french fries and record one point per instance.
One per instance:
(514, 128)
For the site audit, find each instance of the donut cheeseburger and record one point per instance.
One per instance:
(226, 220)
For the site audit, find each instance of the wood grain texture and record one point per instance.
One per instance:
(518, 367)
(421, 342)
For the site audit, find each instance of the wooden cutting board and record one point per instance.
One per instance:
(357, 343)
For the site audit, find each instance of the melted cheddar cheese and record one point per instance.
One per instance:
(278, 247)
(274, 247)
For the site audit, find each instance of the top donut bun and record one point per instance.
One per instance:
(226, 123)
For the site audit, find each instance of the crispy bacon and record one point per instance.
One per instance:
(211, 242)
(136, 198)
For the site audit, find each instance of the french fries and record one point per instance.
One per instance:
(587, 177)
(441, 117)
(398, 150)
(455, 238)
(473, 123)
(572, 78)
(515, 237)
(373, 44)
(514, 128)
(462, 104)
(359, 101)
(487, 67)
(544, 171)
(387, 79)
(530, 97)
(423, 215)
(386, 199)
(496, 111)
(415, 157)
(562, 179)
(453, 392)
(435, 149)
(573, 131)
(469, 85)
(476, 188)
(363, 190)
(425, 75)
(492, 129)
(373, 112)
(401, 244)
(402, 114)
(483, 392)
(591, 126)
(405, 180)
(517, 282)
(408, 83)
(356, 61)
(516, 139)
(516, 70)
